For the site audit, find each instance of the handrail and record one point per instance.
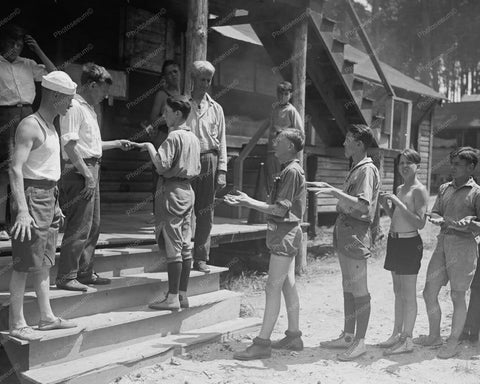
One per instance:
(368, 45)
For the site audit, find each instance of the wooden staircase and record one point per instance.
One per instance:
(334, 96)
(117, 332)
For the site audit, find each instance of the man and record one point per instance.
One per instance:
(177, 161)
(208, 123)
(17, 92)
(82, 150)
(356, 207)
(471, 329)
(34, 173)
(455, 257)
(284, 210)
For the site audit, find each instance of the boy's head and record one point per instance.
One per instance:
(358, 139)
(463, 162)
(288, 143)
(176, 111)
(11, 41)
(408, 162)
(96, 81)
(171, 72)
(284, 92)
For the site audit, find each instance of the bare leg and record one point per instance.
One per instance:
(41, 284)
(409, 299)
(277, 274)
(399, 308)
(292, 301)
(17, 291)
(459, 313)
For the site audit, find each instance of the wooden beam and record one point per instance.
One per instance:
(196, 37)
(238, 20)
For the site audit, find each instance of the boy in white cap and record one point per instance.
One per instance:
(34, 172)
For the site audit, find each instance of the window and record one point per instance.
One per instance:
(398, 122)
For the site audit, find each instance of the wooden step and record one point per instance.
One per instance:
(101, 332)
(328, 24)
(127, 208)
(125, 186)
(140, 198)
(367, 102)
(137, 175)
(105, 367)
(338, 45)
(141, 289)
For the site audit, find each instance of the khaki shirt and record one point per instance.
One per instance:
(179, 155)
(80, 124)
(363, 182)
(207, 122)
(289, 193)
(455, 203)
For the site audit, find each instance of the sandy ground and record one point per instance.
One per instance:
(321, 318)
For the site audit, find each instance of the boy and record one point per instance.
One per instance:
(405, 249)
(356, 207)
(177, 161)
(17, 93)
(34, 173)
(284, 115)
(284, 211)
(455, 257)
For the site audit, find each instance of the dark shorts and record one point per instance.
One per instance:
(284, 239)
(476, 278)
(39, 251)
(404, 255)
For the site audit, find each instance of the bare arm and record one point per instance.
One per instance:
(25, 138)
(156, 115)
(420, 199)
(242, 199)
(33, 45)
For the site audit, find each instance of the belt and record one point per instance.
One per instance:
(88, 161)
(403, 235)
(176, 179)
(41, 183)
(214, 151)
(19, 105)
(456, 232)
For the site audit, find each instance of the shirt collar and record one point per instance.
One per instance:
(367, 160)
(184, 127)
(17, 60)
(287, 163)
(469, 183)
(207, 97)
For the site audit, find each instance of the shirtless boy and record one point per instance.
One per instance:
(405, 249)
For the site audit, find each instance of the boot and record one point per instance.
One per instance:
(170, 303)
(260, 349)
(292, 341)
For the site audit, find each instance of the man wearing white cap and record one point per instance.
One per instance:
(34, 172)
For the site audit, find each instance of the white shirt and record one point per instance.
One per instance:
(80, 124)
(17, 80)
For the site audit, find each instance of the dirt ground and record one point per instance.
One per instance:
(321, 318)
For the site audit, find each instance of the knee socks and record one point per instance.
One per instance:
(174, 271)
(362, 314)
(185, 275)
(349, 311)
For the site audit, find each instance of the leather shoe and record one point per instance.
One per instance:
(260, 349)
(94, 280)
(72, 285)
(201, 266)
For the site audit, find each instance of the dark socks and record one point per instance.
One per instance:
(362, 314)
(472, 324)
(349, 310)
(174, 272)
(185, 275)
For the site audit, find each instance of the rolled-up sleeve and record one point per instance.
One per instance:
(166, 153)
(297, 120)
(38, 70)
(70, 125)
(222, 158)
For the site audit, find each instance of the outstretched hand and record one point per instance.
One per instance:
(237, 200)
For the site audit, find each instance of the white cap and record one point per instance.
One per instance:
(59, 81)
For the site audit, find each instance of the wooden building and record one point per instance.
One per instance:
(454, 125)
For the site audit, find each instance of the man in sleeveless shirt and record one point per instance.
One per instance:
(34, 172)
(82, 149)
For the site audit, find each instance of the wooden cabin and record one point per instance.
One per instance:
(454, 125)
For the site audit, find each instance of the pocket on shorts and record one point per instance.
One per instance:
(353, 241)
(284, 239)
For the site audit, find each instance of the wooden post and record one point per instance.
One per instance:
(299, 74)
(196, 37)
(312, 203)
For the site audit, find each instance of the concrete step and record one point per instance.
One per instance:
(140, 289)
(107, 366)
(102, 332)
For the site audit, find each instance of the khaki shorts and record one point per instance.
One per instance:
(284, 239)
(351, 237)
(454, 260)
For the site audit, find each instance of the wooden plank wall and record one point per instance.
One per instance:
(424, 146)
